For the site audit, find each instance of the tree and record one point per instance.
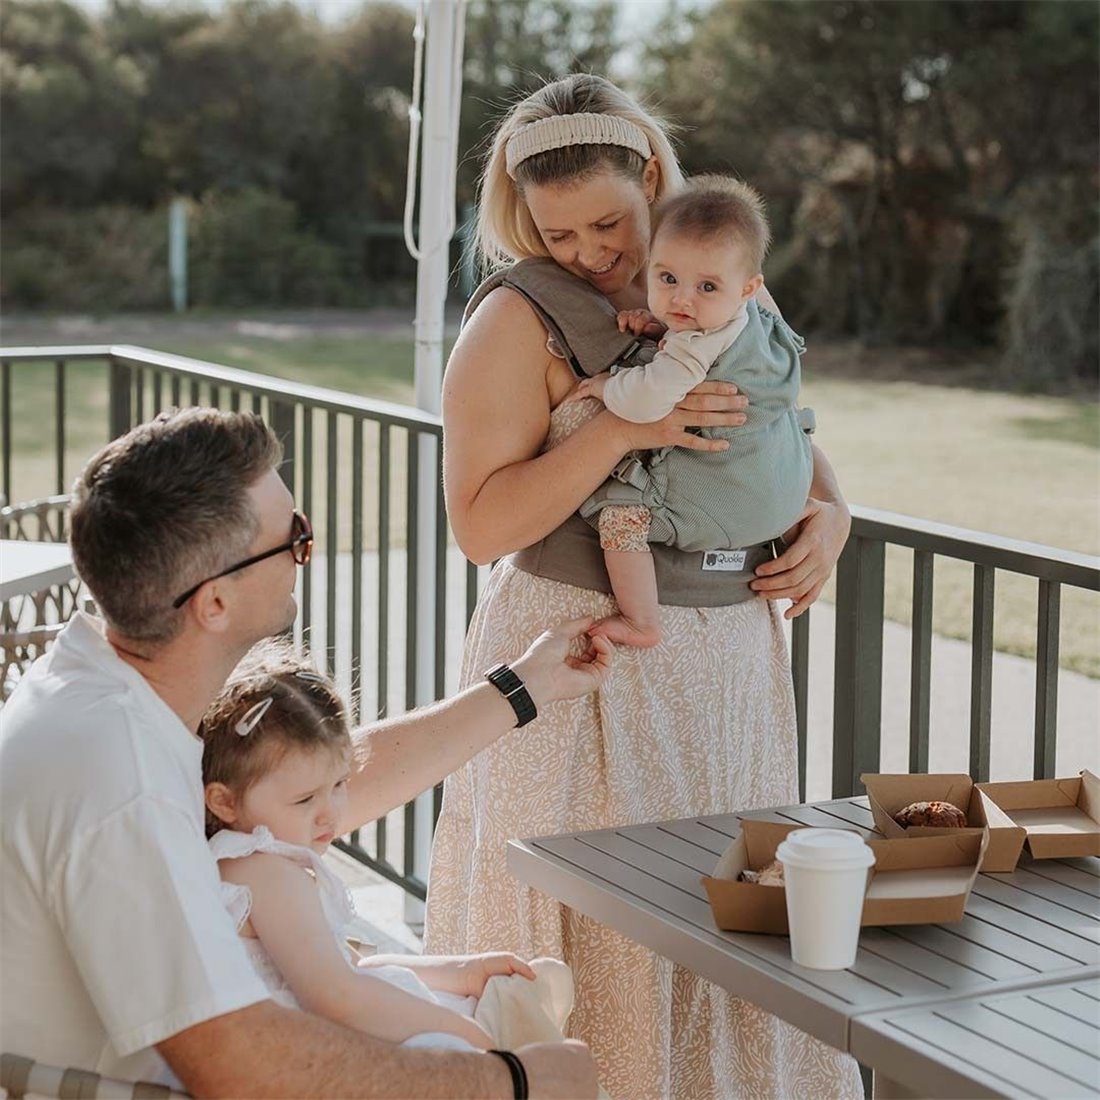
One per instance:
(70, 106)
(901, 147)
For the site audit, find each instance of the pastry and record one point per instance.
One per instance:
(940, 815)
(769, 875)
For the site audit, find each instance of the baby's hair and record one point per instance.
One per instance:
(717, 206)
(305, 712)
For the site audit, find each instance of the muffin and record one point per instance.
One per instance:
(939, 815)
(769, 875)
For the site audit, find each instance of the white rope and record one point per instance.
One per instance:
(416, 118)
(414, 132)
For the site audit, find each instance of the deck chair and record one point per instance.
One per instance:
(25, 1078)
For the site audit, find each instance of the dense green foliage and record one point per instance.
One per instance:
(930, 166)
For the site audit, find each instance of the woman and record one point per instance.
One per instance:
(702, 723)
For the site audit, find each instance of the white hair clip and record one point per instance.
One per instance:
(309, 676)
(251, 717)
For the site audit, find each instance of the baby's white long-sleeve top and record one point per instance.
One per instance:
(652, 390)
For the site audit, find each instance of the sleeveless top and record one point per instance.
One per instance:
(335, 900)
(581, 322)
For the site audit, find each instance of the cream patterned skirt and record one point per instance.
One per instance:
(703, 723)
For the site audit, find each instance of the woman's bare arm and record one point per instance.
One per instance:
(502, 494)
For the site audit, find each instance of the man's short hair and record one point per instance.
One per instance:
(163, 507)
(718, 206)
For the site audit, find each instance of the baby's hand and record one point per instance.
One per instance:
(476, 970)
(641, 323)
(590, 387)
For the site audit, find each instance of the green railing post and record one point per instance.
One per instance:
(283, 424)
(120, 402)
(857, 688)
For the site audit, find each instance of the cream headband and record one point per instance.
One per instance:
(560, 130)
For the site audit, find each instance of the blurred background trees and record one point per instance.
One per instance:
(930, 167)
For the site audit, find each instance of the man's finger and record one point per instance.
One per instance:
(572, 627)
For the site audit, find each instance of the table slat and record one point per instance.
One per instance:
(1004, 1045)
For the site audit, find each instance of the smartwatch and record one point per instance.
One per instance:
(515, 691)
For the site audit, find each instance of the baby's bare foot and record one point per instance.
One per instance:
(622, 631)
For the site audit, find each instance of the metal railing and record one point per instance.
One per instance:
(368, 606)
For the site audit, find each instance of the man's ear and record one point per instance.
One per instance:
(751, 287)
(221, 803)
(209, 608)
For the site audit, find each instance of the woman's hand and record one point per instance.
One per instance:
(709, 405)
(800, 572)
(565, 662)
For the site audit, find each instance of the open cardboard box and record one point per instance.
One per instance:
(1061, 817)
(888, 794)
(922, 880)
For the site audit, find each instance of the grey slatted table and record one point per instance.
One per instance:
(28, 567)
(1038, 925)
(1042, 1042)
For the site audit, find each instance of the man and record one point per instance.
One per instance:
(118, 955)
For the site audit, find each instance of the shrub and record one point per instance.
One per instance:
(101, 259)
(246, 248)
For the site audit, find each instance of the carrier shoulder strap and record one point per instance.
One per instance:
(579, 318)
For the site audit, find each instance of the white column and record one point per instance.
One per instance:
(438, 158)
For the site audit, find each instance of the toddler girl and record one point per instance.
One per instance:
(704, 271)
(276, 763)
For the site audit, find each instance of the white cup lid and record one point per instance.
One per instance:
(825, 848)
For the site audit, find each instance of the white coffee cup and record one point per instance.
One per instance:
(825, 873)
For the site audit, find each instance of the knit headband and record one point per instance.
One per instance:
(560, 130)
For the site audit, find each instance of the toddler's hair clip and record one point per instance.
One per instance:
(309, 676)
(251, 717)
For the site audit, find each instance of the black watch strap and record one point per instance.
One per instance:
(515, 691)
(520, 1088)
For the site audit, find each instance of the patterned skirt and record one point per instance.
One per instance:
(703, 723)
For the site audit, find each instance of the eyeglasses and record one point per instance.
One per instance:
(300, 545)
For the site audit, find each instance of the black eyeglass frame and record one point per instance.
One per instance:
(304, 538)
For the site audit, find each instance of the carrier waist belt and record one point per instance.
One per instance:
(572, 555)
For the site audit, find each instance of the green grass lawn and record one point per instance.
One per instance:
(1026, 467)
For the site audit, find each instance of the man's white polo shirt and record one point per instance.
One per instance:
(113, 935)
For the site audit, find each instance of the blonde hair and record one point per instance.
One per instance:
(718, 206)
(505, 229)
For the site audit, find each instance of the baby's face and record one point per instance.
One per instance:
(697, 284)
(302, 799)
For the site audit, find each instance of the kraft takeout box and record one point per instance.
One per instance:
(889, 793)
(1061, 817)
(919, 880)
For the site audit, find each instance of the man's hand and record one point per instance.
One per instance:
(565, 662)
(559, 1071)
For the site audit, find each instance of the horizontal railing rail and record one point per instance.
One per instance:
(376, 608)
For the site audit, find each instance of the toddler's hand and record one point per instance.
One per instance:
(590, 387)
(640, 322)
(476, 970)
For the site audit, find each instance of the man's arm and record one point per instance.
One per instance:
(267, 1051)
(397, 759)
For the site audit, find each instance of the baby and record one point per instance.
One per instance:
(276, 764)
(705, 261)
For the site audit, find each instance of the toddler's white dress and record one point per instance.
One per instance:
(512, 1009)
